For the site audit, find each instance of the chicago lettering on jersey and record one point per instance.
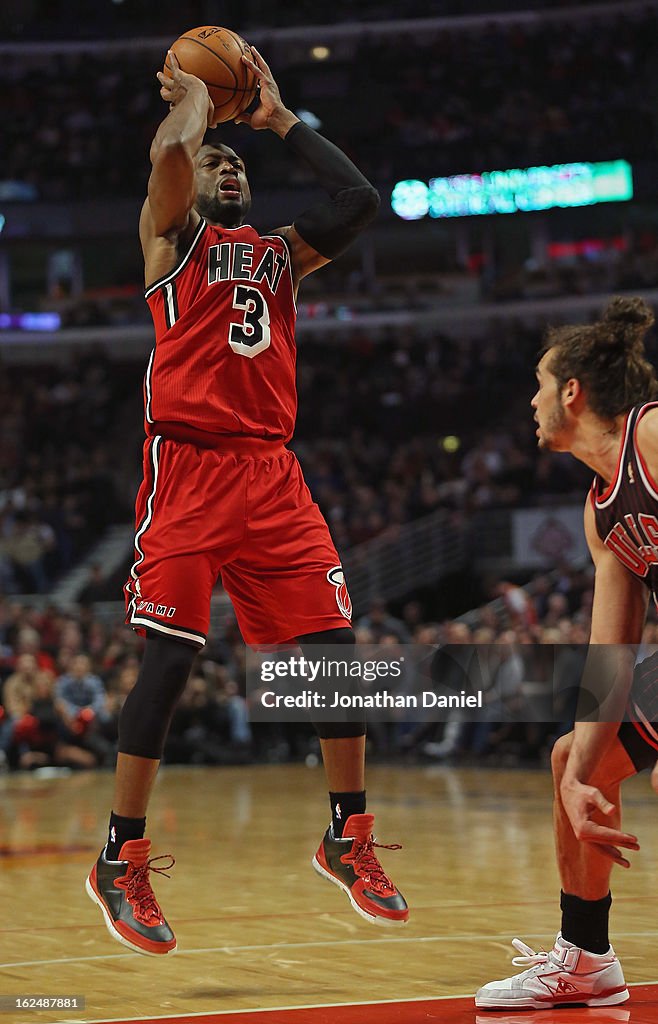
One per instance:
(636, 546)
(234, 261)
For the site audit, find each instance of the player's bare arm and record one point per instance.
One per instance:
(323, 232)
(647, 444)
(168, 217)
(618, 614)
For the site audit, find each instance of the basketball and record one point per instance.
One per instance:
(214, 54)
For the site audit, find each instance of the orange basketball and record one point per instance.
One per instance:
(213, 55)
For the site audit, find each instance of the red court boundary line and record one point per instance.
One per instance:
(449, 1009)
(319, 1013)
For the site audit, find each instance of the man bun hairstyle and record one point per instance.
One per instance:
(629, 320)
(607, 357)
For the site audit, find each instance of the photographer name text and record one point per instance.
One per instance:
(380, 699)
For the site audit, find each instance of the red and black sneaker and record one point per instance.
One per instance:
(122, 889)
(352, 864)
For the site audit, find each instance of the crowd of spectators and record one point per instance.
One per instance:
(411, 104)
(386, 434)
(508, 96)
(71, 19)
(58, 489)
(599, 266)
(65, 675)
(390, 425)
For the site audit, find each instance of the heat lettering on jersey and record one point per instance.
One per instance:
(234, 261)
(632, 551)
(152, 608)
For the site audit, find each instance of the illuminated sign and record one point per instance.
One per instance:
(514, 191)
(30, 321)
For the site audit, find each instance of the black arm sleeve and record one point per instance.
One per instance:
(331, 227)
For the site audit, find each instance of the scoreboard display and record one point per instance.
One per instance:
(514, 191)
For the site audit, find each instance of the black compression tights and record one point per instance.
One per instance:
(146, 715)
(148, 709)
(333, 730)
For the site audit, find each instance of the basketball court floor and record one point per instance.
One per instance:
(263, 940)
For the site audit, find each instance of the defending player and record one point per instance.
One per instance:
(221, 492)
(596, 400)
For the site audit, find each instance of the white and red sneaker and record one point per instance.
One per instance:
(566, 975)
(352, 864)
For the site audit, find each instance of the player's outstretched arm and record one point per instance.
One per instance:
(323, 232)
(618, 615)
(171, 191)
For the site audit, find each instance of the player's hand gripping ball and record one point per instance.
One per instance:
(214, 55)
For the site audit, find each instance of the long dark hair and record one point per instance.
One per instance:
(607, 357)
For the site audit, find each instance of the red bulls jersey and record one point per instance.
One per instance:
(626, 510)
(224, 355)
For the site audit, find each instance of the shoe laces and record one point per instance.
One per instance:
(139, 891)
(529, 959)
(366, 864)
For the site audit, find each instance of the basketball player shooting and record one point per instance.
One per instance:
(221, 491)
(596, 399)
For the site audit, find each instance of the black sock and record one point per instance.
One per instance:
(121, 830)
(342, 806)
(585, 922)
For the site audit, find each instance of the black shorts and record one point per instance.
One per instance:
(639, 733)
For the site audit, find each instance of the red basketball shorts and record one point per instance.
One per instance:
(247, 516)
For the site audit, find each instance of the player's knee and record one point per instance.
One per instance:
(146, 713)
(334, 730)
(560, 756)
(165, 668)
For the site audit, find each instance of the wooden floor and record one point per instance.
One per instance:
(259, 930)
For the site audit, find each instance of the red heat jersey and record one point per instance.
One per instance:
(224, 356)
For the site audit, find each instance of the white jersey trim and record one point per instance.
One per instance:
(195, 638)
(620, 468)
(180, 265)
(170, 304)
(146, 522)
(645, 481)
(640, 462)
(134, 619)
(645, 722)
(147, 385)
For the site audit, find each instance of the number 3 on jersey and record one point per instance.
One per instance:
(252, 335)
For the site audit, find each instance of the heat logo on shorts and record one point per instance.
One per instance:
(336, 577)
(163, 610)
